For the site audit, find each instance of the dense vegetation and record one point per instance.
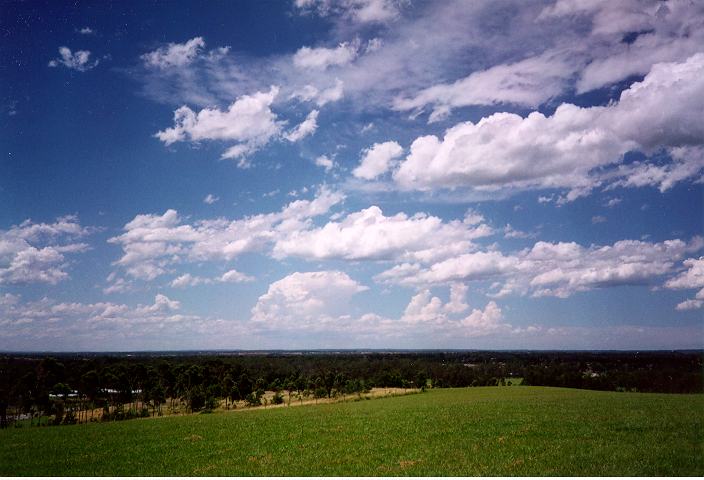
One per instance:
(487, 431)
(60, 389)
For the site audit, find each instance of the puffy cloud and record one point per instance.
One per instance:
(370, 235)
(424, 310)
(377, 160)
(86, 31)
(50, 324)
(529, 82)
(465, 267)
(174, 54)
(322, 58)
(78, 60)
(552, 269)
(152, 243)
(309, 299)
(248, 120)
(305, 128)
(325, 162)
(36, 252)
(691, 278)
(484, 322)
(233, 276)
(188, 280)
(566, 149)
(458, 293)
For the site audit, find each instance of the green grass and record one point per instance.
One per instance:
(477, 431)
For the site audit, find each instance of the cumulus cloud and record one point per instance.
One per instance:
(248, 120)
(151, 244)
(691, 278)
(370, 235)
(551, 269)
(325, 162)
(50, 324)
(305, 128)
(320, 302)
(174, 54)
(566, 149)
(426, 311)
(308, 299)
(78, 60)
(322, 58)
(377, 160)
(36, 252)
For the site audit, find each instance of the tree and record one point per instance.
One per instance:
(421, 381)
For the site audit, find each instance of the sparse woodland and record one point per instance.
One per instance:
(38, 390)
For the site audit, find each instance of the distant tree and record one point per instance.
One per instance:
(252, 400)
(421, 381)
(227, 384)
(157, 396)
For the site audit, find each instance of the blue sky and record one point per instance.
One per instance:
(351, 174)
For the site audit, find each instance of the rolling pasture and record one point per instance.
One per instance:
(486, 431)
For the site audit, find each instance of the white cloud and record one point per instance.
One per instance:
(369, 235)
(78, 60)
(551, 269)
(612, 202)
(321, 58)
(309, 299)
(231, 276)
(598, 219)
(325, 162)
(529, 82)
(424, 310)
(248, 120)
(310, 93)
(377, 160)
(355, 11)
(210, 199)
(101, 326)
(692, 278)
(86, 31)
(151, 244)
(188, 280)
(510, 232)
(305, 128)
(506, 151)
(174, 54)
(36, 252)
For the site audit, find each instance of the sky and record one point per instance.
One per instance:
(318, 174)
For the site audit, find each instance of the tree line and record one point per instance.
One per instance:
(69, 388)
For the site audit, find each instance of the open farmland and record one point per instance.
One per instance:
(474, 431)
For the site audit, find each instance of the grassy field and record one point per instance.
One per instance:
(477, 431)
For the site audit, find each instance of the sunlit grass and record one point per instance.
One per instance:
(476, 431)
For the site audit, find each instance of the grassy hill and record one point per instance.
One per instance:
(476, 431)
